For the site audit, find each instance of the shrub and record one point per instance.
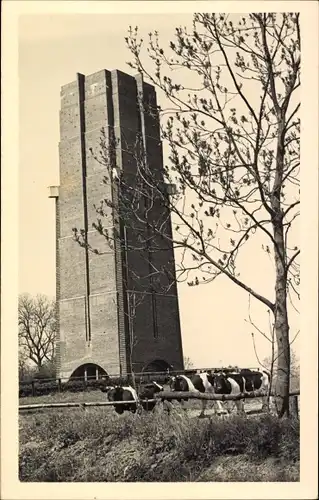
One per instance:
(289, 445)
(43, 387)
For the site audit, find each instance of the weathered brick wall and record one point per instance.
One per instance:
(104, 324)
(72, 334)
(71, 256)
(91, 280)
(92, 306)
(164, 344)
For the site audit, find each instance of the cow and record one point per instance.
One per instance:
(199, 382)
(148, 391)
(118, 394)
(128, 393)
(257, 381)
(232, 384)
(245, 380)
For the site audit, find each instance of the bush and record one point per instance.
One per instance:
(43, 387)
(40, 388)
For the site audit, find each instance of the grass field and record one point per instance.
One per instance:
(98, 445)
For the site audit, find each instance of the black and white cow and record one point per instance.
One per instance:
(230, 384)
(148, 391)
(128, 393)
(257, 381)
(245, 380)
(199, 382)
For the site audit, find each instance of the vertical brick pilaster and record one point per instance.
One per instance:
(81, 94)
(57, 293)
(124, 119)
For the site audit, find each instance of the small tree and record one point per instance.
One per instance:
(37, 330)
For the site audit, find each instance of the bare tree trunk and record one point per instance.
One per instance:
(281, 325)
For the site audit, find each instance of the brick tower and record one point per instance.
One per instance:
(93, 290)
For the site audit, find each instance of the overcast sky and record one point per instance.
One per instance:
(52, 49)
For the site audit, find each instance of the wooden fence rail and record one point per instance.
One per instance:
(160, 395)
(37, 406)
(218, 397)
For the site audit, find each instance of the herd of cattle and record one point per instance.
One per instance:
(217, 382)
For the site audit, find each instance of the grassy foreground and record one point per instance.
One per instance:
(98, 445)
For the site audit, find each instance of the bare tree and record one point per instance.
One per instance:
(233, 135)
(188, 363)
(37, 329)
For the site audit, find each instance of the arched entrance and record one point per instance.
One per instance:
(89, 371)
(158, 365)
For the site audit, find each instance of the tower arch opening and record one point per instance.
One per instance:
(158, 365)
(88, 371)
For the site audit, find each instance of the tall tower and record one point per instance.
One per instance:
(93, 291)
